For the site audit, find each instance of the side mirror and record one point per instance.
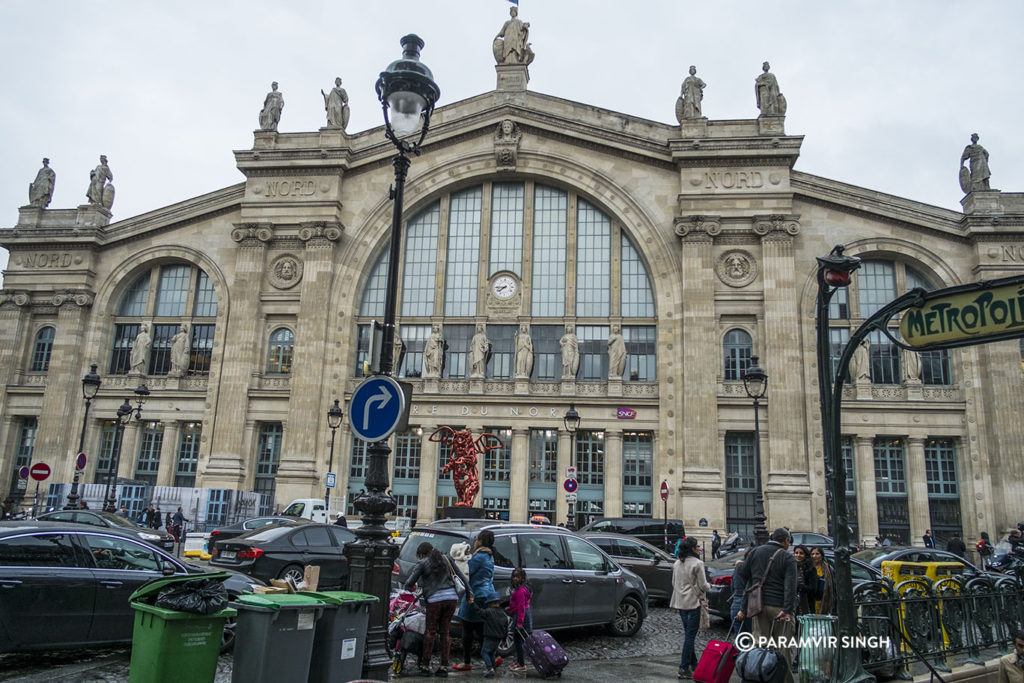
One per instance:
(168, 569)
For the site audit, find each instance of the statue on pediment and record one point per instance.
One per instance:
(40, 192)
(511, 45)
(101, 192)
(270, 115)
(769, 99)
(977, 177)
(692, 92)
(336, 104)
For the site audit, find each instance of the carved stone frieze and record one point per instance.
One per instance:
(499, 388)
(707, 225)
(789, 225)
(79, 297)
(506, 145)
(285, 272)
(252, 234)
(736, 268)
(643, 389)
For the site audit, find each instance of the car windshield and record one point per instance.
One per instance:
(121, 521)
(442, 542)
(294, 510)
(869, 555)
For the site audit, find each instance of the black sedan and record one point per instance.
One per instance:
(67, 585)
(158, 537)
(282, 551)
(720, 572)
(223, 533)
(653, 565)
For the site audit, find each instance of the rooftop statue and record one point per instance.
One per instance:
(977, 178)
(511, 45)
(336, 104)
(270, 115)
(770, 101)
(692, 92)
(101, 192)
(40, 192)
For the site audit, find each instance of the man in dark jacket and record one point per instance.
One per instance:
(956, 546)
(778, 586)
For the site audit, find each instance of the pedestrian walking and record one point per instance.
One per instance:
(823, 594)
(495, 630)
(929, 540)
(435, 576)
(179, 520)
(984, 549)
(123, 512)
(481, 587)
(739, 595)
(169, 524)
(716, 544)
(689, 588)
(519, 608)
(775, 570)
(956, 545)
(804, 580)
(154, 520)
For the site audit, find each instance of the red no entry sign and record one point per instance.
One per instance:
(664, 490)
(39, 471)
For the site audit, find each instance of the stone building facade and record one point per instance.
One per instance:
(526, 214)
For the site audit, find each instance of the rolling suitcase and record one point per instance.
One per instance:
(546, 655)
(716, 662)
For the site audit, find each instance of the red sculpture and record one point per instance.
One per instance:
(463, 460)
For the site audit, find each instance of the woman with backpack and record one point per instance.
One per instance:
(689, 588)
(435, 576)
(985, 550)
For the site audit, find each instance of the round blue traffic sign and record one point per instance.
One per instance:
(376, 408)
(23, 473)
(80, 461)
(570, 485)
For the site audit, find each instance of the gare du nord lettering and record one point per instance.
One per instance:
(966, 316)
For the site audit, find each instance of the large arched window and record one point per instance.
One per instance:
(164, 299)
(279, 351)
(736, 351)
(568, 262)
(42, 349)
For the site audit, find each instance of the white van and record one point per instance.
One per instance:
(313, 509)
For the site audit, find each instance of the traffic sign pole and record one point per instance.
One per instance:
(664, 502)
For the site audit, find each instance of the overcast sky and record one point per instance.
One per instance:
(886, 93)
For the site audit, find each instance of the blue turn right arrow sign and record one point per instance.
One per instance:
(376, 408)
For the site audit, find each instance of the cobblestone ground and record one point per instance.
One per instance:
(661, 635)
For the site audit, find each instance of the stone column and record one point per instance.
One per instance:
(867, 502)
(702, 462)
(226, 466)
(304, 454)
(917, 489)
(13, 321)
(613, 473)
(169, 454)
(57, 438)
(561, 507)
(519, 484)
(429, 466)
(343, 461)
(130, 439)
(784, 452)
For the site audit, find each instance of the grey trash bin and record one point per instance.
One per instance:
(274, 637)
(340, 636)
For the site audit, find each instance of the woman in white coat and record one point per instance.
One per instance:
(689, 587)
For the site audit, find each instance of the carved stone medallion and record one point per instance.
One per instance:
(285, 272)
(736, 268)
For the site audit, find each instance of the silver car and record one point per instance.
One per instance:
(574, 582)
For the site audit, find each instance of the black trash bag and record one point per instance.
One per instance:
(201, 596)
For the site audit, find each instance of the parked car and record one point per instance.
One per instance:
(720, 572)
(652, 565)
(281, 551)
(223, 533)
(66, 585)
(876, 556)
(646, 529)
(812, 539)
(574, 582)
(158, 537)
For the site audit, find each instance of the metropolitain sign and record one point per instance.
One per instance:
(967, 314)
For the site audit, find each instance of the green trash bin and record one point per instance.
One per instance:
(169, 646)
(274, 637)
(340, 636)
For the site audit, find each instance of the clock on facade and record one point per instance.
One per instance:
(504, 287)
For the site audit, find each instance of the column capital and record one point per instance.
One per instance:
(697, 226)
(777, 225)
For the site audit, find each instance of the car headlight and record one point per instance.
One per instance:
(149, 537)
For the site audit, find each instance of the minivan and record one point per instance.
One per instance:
(645, 528)
(574, 582)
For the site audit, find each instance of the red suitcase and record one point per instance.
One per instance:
(716, 662)
(545, 653)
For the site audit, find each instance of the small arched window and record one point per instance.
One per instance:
(42, 350)
(279, 353)
(736, 351)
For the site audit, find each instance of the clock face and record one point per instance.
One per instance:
(504, 287)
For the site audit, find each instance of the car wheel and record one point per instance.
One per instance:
(507, 646)
(628, 618)
(292, 571)
(227, 639)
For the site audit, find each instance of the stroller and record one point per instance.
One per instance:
(408, 623)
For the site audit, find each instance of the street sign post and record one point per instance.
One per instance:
(664, 503)
(39, 471)
(377, 407)
(570, 497)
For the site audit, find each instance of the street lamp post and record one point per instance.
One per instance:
(407, 93)
(334, 416)
(90, 386)
(124, 416)
(755, 383)
(572, 423)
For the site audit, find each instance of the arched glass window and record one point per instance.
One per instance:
(42, 350)
(736, 351)
(570, 263)
(279, 352)
(164, 299)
